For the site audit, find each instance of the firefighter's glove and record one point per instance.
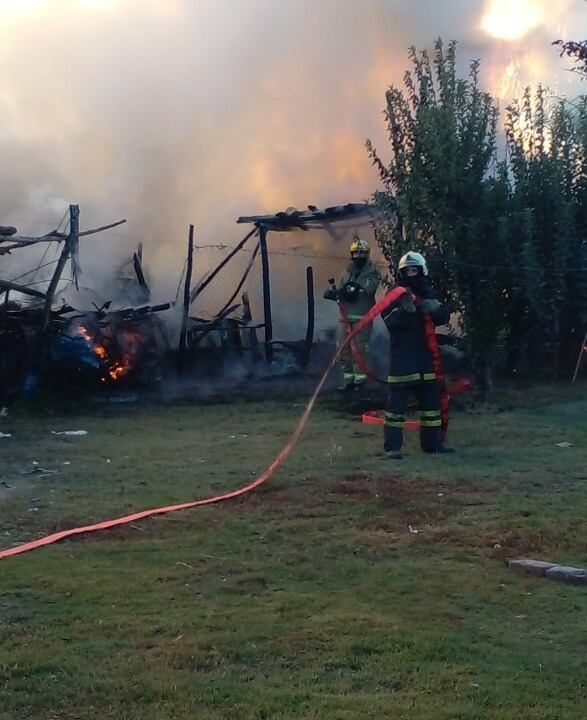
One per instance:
(350, 291)
(406, 303)
(429, 305)
(330, 294)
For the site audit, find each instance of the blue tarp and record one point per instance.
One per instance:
(76, 351)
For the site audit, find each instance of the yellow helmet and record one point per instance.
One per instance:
(359, 246)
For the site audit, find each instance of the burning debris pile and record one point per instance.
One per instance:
(79, 349)
(62, 347)
(127, 345)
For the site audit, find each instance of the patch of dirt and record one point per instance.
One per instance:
(427, 506)
(527, 542)
(307, 493)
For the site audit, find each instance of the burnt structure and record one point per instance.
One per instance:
(237, 331)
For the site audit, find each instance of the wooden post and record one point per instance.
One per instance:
(266, 293)
(311, 315)
(69, 246)
(186, 302)
(581, 351)
(248, 318)
(138, 268)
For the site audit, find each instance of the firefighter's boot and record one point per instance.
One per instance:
(441, 449)
(394, 454)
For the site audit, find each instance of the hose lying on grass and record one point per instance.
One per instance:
(275, 464)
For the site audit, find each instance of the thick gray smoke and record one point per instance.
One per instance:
(168, 112)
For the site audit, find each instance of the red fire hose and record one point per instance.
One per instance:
(275, 464)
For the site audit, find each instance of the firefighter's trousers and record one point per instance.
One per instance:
(352, 372)
(427, 394)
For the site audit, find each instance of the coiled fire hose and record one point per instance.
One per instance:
(275, 464)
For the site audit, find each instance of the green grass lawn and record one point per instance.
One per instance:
(310, 598)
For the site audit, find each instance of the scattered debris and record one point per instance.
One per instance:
(37, 469)
(564, 444)
(413, 530)
(69, 432)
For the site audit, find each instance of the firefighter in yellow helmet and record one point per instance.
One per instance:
(356, 295)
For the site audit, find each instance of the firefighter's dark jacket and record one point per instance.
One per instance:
(368, 279)
(410, 358)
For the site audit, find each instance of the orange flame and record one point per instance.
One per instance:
(130, 344)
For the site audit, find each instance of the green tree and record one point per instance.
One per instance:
(505, 239)
(448, 193)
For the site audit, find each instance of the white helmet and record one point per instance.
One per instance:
(413, 259)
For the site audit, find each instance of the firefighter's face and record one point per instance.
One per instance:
(412, 271)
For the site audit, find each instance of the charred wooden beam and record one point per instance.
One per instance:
(266, 293)
(311, 317)
(132, 313)
(83, 233)
(186, 302)
(7, 285)
(247, 314)
(68, 248)
(247, 318)
(241, 281)
(222, 264)
(138, 268)
(19, 242)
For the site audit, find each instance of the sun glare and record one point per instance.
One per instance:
(20, 7)
(97, 3)
(511, 19)
(15, 9)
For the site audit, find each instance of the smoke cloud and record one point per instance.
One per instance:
(168, 112)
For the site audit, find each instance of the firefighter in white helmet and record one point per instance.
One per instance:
(411, 358)
(356, 295)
